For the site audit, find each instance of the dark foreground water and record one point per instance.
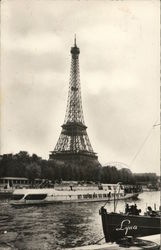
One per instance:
(56, 227)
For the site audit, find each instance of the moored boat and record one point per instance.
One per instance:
(130, 224)
(68, 194)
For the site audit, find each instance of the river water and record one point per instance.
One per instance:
(54, 227)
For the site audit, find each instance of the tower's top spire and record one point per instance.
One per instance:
(75, 50)
(75, 45)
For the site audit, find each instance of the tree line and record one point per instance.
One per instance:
(32, 167)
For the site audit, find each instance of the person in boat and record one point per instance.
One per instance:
(127, 209)
(151, 212)
(136, 211)
(132, 210)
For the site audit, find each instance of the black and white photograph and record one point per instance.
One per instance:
(80, 125)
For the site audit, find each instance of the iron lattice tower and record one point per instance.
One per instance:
(73, 141)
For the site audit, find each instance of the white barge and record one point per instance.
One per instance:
(68, 194)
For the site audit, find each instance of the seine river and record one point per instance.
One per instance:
(60, 226)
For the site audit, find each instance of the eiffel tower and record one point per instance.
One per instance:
(73, 143)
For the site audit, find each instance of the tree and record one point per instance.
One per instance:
(33, 171)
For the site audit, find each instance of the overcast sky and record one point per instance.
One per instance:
(119, 71)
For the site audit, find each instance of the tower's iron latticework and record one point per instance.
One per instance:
(73, 141)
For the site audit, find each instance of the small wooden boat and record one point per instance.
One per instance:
(117, 226)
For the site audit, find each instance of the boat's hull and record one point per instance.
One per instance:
(117, 226)
(55, 200)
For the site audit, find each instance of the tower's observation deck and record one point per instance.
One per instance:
(73, 141)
